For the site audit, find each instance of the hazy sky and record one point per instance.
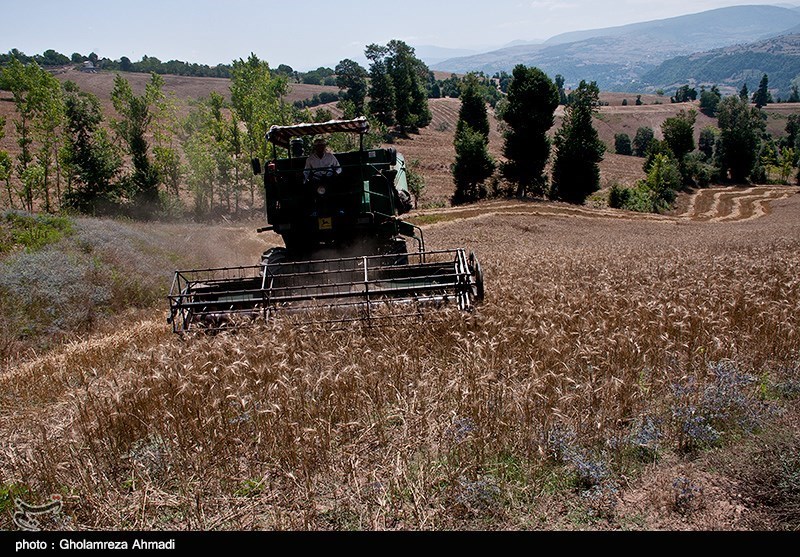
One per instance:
(307, 34)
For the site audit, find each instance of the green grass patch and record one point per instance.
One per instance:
(9, 492)
(32, 232)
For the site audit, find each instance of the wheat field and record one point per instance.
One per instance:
(611, 348)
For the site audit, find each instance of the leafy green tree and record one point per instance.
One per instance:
(6, 164)
(503, 80)
(576, 171)
(473, 164)
(6, 170)
(51, 58)
(32, 183)
(708, 139)
(39, 105)
(679, 135)
(655, 194)
(47, 132)
(642, 141)
(792, 138)
(201, 172)
(529, 115)
(794, 97)
(786, 161)
(91, 160)
(352, 78)
(220, 149)
(684, 94)
(709, 100)
(416, 181)
(21, 80)
(622, 144)
(451, 87)
(657, 148)
(741, 127)
(744, 93)
(166, 158)
(204, 144)
(398, 80)
(562, 95)
(664, 180)
(762, 97)
(434, 89)
(284, 69)
(473, 107)
(382, 94)
(132, 128)
(256, 97)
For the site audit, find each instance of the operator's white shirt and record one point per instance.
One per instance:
(328, 160)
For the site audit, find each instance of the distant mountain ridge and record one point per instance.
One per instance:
(618, 57)
(733, 25)
(778, 57)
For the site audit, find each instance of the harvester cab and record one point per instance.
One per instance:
(345, 255)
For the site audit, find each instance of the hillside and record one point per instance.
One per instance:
(432, 147)
(617, 57)
(626, 371)
(730, 67)
(702, 30)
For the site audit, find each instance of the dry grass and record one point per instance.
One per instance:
(612, 352)
(599, 339)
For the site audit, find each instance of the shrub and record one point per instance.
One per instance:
(639, 199)
(49, 293)
(729, 404)
(75, 280)
(32, 232)
(622, 144)
(701, 172)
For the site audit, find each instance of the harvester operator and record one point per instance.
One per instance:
(321, 163)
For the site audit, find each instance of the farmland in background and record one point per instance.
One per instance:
(625, 372)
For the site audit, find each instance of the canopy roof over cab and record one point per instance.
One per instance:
(281, 135)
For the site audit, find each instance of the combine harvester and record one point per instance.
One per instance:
(345, 256)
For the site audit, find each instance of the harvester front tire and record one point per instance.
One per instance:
(477, 272)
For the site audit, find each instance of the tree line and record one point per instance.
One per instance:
(146, 161)
(738, 150)
(527, 113)
(720, 68)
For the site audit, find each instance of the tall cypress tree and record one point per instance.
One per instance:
(762, 96)
(576, 173)
(473, 164)
(532, 101)
(473, 107)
